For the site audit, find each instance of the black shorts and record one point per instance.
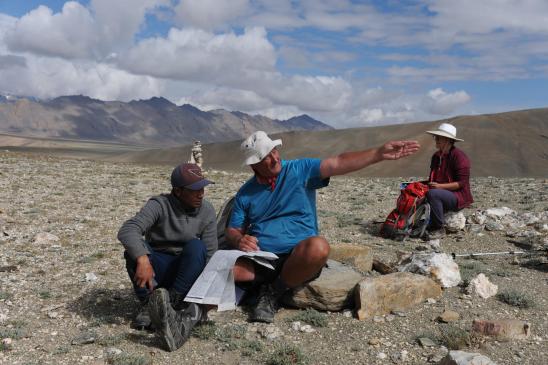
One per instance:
(265, 275)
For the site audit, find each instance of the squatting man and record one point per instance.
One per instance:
(168, 243)
(275, 211)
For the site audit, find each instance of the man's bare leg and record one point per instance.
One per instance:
(244, 270)
(305, 261)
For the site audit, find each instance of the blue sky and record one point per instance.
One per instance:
(347, 63)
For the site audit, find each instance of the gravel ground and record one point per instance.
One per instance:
(66, 299)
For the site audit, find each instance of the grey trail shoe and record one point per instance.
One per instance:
(267, 305)
(142, 320)
(173, 326)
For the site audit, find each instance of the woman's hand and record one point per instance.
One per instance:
(434, 185)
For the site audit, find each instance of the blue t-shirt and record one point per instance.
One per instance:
(281, 218)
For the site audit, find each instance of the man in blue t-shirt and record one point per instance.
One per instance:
(275, 211)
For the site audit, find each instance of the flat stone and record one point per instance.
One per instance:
(465, 358)
(332, 291)
(393, 292)
(360, 257)
(506, 329)
(426, 342)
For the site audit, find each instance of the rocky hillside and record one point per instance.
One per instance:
(65, 297)
(509, 144)
(156, 121)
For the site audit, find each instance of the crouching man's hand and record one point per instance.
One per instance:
(144, 274)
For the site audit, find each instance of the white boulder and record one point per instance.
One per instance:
(482, 287)
(455, 221)
(439, 266)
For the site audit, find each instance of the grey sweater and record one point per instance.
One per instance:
(165, 224)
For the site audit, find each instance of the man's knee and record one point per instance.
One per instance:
(244, 270)
(316, 249)
(196, 249)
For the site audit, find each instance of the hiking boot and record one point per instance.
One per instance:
(434, 234)
(267, 305)
(173, 326)
(142, 320)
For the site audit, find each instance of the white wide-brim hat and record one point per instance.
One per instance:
(257, 146)
(446, 130)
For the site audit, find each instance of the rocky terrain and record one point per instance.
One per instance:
(65, 297)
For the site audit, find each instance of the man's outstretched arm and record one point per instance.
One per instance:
(353, 161)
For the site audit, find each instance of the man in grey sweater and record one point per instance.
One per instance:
(168, 243)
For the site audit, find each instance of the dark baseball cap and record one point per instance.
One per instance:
(189, 176)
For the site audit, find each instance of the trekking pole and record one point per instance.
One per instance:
(454, 255)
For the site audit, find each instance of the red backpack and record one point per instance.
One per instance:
(411, 216)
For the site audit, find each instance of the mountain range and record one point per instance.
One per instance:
(510, 144)
(153, 122)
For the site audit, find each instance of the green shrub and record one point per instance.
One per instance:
(516, 299)
(205, 331)
(312, 317)
(285, 354)
(129, 359)
(454, 338)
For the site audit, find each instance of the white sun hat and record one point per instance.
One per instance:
(257, 146)
(446, 130)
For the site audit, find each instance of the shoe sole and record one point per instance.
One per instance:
(259, 318)
(160, 313)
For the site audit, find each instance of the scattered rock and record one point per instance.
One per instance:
(482, 287)
(84, 338)
(306, 328)
(381, 267)
(496, 213)
(494, 226)
(449, 316)
(438, 266)
(90, 277)
(393, 292)
(270, 332)
(507, 329)
(426, 342)
(45, 238)
(465, 358)
(360, 257)
(455, 221)
(333, 290)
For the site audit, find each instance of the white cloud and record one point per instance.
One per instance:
(69, 34)
(50, 77)
(210, 14)
(78, 31)
(222, 97)
(196, 55)
(245, 62)
(440, 102)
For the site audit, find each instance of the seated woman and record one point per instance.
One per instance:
(449, 177)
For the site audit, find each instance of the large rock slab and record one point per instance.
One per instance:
(360, 257)
(333, 290)
(439, 266)
(393, 292)
(465, 358)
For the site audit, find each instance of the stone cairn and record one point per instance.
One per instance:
(196, 154)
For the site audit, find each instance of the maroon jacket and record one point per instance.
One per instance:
(453, 167)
